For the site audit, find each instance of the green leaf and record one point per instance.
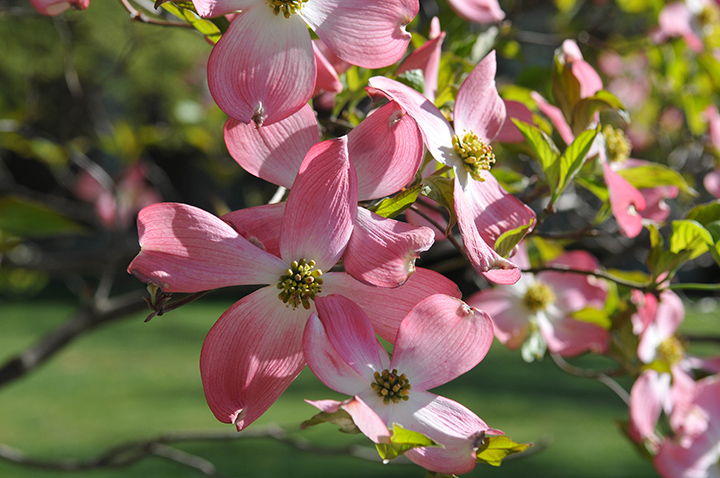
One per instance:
(689, 235)
(186, 12)
(573, 159)
(441, 191)
(414, 79)
(392, 206)
(593, 316)
(565, 86)
(545, 151)
(402, 440)
(32, 219)
(705, 213)
(340, 418)
(509, 239)
(585, 109)
(655, 174)
(494, 449)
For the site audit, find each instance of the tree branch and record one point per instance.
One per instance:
(134, 451)
(597, 273)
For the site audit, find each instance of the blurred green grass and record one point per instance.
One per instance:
(132, 380)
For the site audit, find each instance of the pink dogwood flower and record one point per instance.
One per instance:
(56, 7)
(254, 351)
(440, 339)
(385, 149)
(694, 451)
(537, 312)
(483, 208)
(263, 68)
(711, 181)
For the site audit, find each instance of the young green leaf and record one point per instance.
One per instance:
(392, 206)
(186, 11)
(402, 440)
(689, 235)
(653, 175)
(545, 151)
(340, 418)
(494, 449)
(573, 159)
(509, 239)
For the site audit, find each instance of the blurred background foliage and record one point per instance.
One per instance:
(99, 114)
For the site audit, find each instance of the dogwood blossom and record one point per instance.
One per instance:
(263, 68)
(385, 149)
(536, 312)
(483, 208)
(254, 351)
(440, 339)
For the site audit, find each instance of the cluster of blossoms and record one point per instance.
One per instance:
(337, 270)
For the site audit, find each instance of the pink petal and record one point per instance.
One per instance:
(427, 59)
(711, 181)
(367, 420)
(387, 307)
(509, 133)
(626, 202)
(185, 249)
(590, 82)
(437, 132)
(273, 152)
(478, 11)
(646, 399)
(439, 340)
(350, 333)
(320, 209)
(555, 116)
(370, 34)
(478, 106)
(510, 317)
(670, 313)
(263, 68)
(215, 8)
(569, 337)
(698, 459)
(260, 225)
(339, 65)
(494, 210)
(447, 422)
(327, 364)
(251, 355)
(56, 7)
(575, 291)
(327, 78)
(482, 257)
(713, 118)
(656, 209)
(386, 149)
(382, 251)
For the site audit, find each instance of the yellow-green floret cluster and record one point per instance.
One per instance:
(391, 386)
(300, 284)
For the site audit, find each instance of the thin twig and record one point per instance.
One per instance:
(437, 226)
(596, 272)
(134, 451)
(137, 15)
(695, 286)
(603, 377)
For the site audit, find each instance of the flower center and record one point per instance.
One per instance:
(538, 296)
(300, 283)
(617, 144)
(286, 7)
(476, 154)
(391, 386)
(670, 351)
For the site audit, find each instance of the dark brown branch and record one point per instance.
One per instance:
(85, 320)
(603, 377)
(597, 273)
(134, 451)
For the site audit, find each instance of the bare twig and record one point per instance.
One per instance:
(134, 451)
(597, 273)
(603, 377)
(139, 16)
